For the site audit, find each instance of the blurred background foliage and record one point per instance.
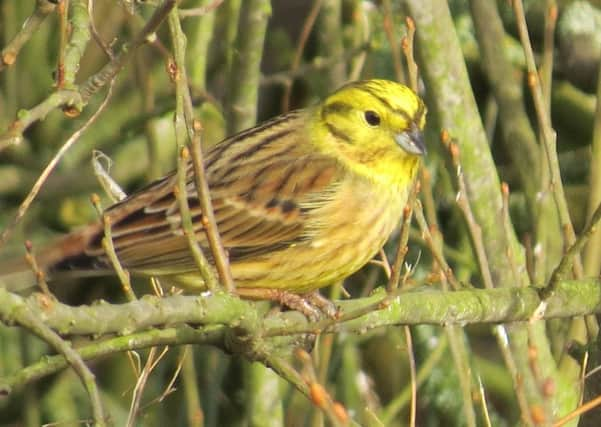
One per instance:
(350, 39)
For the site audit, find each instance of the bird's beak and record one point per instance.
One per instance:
(412, 141)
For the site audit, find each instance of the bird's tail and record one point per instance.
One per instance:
(66, 256)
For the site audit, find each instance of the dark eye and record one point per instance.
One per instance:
(372, 118)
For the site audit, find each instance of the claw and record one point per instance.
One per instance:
(313, 305)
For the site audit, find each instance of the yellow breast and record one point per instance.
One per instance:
(341, 236)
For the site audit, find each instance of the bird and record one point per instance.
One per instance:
(301, 201)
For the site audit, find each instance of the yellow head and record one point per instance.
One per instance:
(375, 128)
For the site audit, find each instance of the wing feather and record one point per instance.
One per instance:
(261, 183)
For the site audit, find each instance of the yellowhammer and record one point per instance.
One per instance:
(300, 201)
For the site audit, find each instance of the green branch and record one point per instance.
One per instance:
(235, 325)
(499, 305)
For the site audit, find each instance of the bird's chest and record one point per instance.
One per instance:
(358, 220)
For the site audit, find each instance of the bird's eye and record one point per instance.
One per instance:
(372, 118)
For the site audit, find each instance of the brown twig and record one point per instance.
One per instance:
(200, 11)
(39, 274)
(588, 406)
(205, 269)
(487, 422)
(413, 375)
(63, 13)
(317, 393)
(407, 45)
(546, 68)
(434, 248)
(151, 363)
(193, 127)
(402, 248)
(109, 249)
(97, 37)
(209, 222)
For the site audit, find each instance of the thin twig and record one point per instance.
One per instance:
(434, 249)
(185, 117)
(588, 406)
(9, 54)
(200, 11)
(500, 332)
(30, 320)
(298, 53)
(318, 64)
(149, 366)
(413, 375)
(109, 249)
(60, 98)
(548, 134)
(194, 409)
(63, 14)
(392, 286)
(209, 222)
(592, 253)
(388, 26)
(566, 262)
(508, 230)
(361, 35)
(546, 68)
(474, 228)
(402, 248)
(391, 410)
(187, 130)
(94, 83)
(205, 269)
(97, 37)
(318, 394)
(483, 401)
(457, 345)
(50, 168)
(407, 45)
(39, 273)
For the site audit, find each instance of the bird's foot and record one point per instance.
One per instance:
(313, 305)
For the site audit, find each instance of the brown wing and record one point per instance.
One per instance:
(259, 182)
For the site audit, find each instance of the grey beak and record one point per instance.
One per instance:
(412, 141)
